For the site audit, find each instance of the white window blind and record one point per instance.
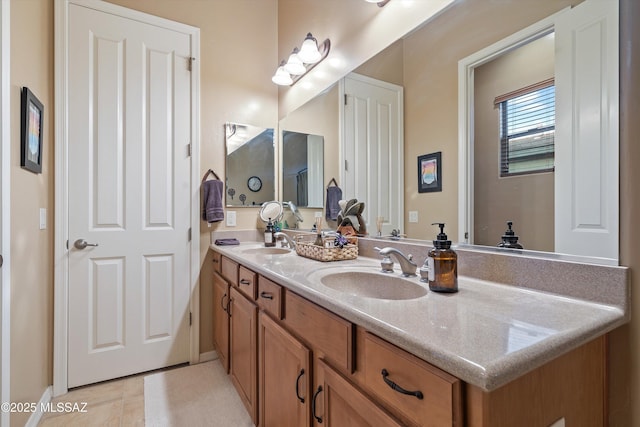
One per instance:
(527, 130)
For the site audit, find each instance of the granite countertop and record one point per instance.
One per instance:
(487, 334)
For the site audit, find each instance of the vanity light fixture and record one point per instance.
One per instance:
(301, 61)
(379, 2)
(281, 77)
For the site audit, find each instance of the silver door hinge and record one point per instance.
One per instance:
(466, 235)
(189, 234)
(346, 165)
(189, 150)
(190, 63)
(345, 99)
(190, 319)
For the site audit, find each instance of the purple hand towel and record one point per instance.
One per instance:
(227, 242)
(212, 191)
(334, 194)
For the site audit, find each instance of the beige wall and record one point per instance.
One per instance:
(31, 248)
(527, 200)
(387, 66)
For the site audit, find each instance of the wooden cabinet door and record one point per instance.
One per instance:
(221, 318)
(285, 377)
(244, 350)
(336, 402)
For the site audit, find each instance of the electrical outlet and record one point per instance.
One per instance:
(413, 216)
(231, 218)
(318, 215)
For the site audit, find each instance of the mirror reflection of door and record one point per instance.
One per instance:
(303, 169)
(373, 149)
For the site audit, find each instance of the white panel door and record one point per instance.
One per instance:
(129, 193)
(373, 148)
(586, 184)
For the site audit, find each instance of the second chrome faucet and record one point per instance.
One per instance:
(406, 262)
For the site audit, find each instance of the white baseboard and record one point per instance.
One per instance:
(36, 416)
(210, 355)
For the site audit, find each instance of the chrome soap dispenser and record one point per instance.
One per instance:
(442, 264)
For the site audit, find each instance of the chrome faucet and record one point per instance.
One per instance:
(406, 262)
(287, 242)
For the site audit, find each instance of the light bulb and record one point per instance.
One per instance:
(294, 65)
(281, 77)
(309, 53)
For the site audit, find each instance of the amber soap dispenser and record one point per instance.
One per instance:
(443, 264)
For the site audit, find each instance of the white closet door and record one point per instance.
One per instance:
(129, 193)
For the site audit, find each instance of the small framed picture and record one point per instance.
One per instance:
(430, 172)
(31, 117)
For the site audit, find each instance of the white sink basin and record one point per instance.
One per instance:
(370, 284)
(267, 251)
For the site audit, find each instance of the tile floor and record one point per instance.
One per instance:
(117, 403)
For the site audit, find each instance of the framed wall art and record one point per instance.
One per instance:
(31, 117)
(430, 172)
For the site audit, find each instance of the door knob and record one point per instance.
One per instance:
(81, 244)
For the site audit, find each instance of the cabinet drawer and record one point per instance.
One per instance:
(440, 404)
(229, 270)
(247, 282)
(324, 331)
(216, 259)
(270, 297)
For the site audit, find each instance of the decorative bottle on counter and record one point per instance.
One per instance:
(443, 264)
(269, 238)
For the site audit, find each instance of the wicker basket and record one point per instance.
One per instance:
(320, 253)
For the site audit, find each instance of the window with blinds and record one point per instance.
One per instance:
(527, 129)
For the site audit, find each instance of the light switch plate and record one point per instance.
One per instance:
(413, 216)
(231, 218)
(43, 218)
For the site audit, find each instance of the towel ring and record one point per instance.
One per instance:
(334, 182)
(210, 172)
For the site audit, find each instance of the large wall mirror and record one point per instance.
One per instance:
(425, 63)
(250, 159)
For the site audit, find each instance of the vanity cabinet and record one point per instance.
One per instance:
(247, 282)
(221, 318)
(337, 402)
(421, 393)
(284, 376)
(243, 349)
(297, 364)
